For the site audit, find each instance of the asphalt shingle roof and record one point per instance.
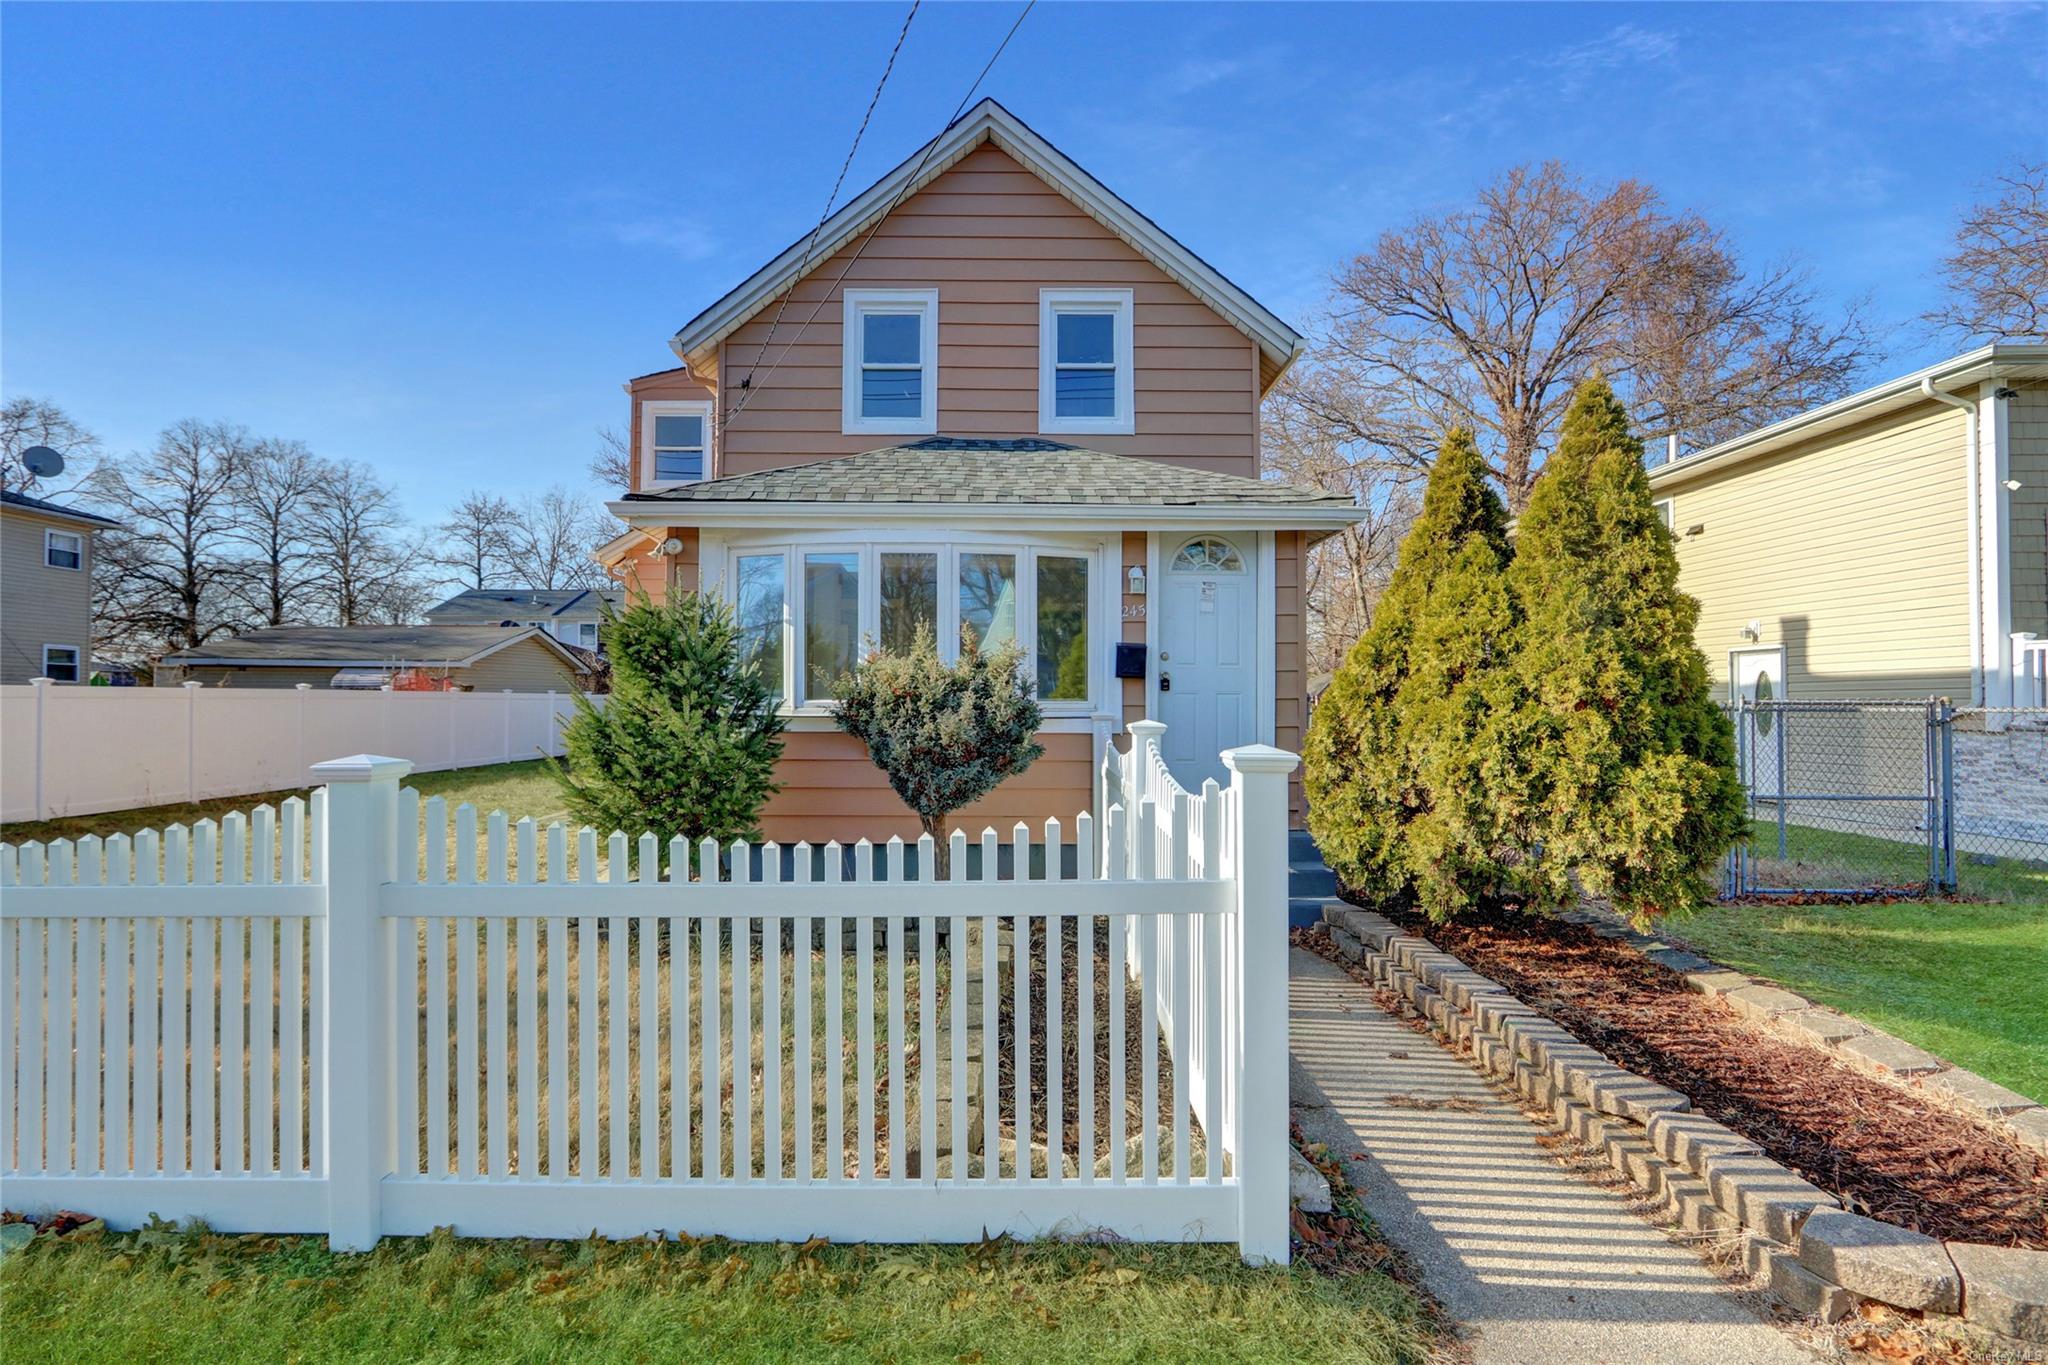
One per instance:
(489, 606)
(365, 645)
(952, 469)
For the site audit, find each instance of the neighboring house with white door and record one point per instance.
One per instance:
(46, 552)
(999, 400)
(1891, 544)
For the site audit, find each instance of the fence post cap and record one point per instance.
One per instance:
(39, 682)
(362, 768)
(1260, 758)
(190, 683)
(302, 687)
(1147, 728)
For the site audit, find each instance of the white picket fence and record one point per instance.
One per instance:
(82, 750)
(350, 1018)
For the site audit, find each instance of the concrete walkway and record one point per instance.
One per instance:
(1539, 1265)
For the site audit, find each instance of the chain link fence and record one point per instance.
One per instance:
(1872, 798)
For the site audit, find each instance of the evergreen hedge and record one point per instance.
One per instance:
(1523, 724)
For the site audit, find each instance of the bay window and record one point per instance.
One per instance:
(810, 612)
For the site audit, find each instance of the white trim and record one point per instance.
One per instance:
(988, 121)
(1994, 429)
(1265, 686)
(50, 534)
(750, 514)
(1667, 508)
(924, 303)
(78, 673)
(670, 407)
(1120, 305)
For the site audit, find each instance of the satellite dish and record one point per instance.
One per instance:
(43, 462)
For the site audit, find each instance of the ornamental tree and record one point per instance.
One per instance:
(945, 735)
(1610, 759)
(1395, 752)
(688, 740)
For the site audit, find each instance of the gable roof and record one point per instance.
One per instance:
(365, 647)
(1279, 344)
(10, 498)
(1026, 479)
(2004, 360)
(492, 606)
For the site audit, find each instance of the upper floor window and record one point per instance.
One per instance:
(64, 549)
(1085, 362)
(676, 439)
(891, 361)
(60, 663)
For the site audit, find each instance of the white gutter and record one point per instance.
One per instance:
(1976, 552)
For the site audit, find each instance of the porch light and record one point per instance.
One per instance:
(1135, 578)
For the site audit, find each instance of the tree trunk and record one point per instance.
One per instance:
(942, 852)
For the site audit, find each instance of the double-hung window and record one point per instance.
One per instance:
(1085, 362)
(61, 663)
(675, 440)
(810, 611)
(891, 361)
(64, 549)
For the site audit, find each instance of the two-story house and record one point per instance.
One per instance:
(994, 397)
(46, 589)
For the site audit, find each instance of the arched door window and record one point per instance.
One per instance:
(1208, 554)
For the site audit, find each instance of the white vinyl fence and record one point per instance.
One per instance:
(346, 1017)
(81, 750)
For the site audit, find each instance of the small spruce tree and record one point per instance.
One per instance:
(1394, 753)
(687, 742)
(1611, 760)
(945, 735)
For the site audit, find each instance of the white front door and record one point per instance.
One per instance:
(1208, 650)
(1759, 675)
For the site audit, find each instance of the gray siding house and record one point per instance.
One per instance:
(46, 552)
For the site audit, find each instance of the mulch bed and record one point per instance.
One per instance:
(1888, 1153)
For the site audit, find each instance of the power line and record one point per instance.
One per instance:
(747, 390)
(837, 184)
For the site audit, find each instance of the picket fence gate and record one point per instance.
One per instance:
(358, 1016)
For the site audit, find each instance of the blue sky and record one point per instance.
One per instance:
(437, 238)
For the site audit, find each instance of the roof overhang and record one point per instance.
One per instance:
(1279, 344)
(762, 515)
(1987, 362)
(63, 514)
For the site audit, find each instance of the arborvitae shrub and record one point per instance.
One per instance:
(687, 742)
(1610, 760)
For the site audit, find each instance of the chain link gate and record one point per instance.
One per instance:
(1877, 798)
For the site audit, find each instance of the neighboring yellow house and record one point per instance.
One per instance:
(471, 658)
(1891, 544)
(46, 589)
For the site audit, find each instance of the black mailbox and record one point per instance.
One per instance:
(1130, 661)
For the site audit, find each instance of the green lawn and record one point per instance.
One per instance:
(190, 1295)
(1968, 982)
(1819, 858)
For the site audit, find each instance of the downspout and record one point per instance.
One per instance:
(1969, 408)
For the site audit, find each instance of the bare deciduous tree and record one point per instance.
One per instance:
(1997, 276)
(1488, 316)
(549, 541)
(166, 579)
(611, 464)
(365, 572)
(475, 540)
(27, 422)
(274, 497)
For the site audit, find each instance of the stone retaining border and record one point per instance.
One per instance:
(1851, 1041)
(1816, 1257)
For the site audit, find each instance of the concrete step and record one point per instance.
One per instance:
(1311, 879)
